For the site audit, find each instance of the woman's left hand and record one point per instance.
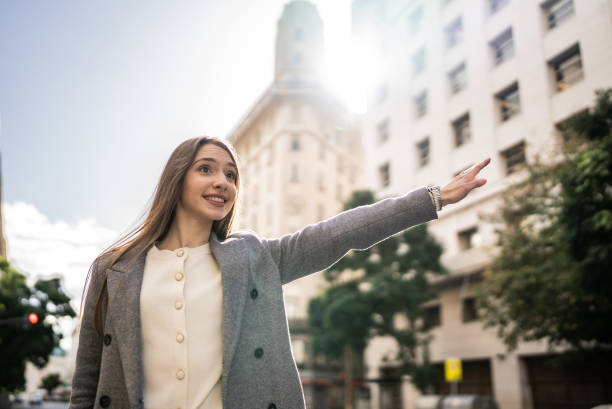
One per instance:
(463, 183)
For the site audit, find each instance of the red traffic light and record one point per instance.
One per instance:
(33, 318)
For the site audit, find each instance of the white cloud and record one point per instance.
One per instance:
(39, 247)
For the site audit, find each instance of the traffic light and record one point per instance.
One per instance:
(33, 318)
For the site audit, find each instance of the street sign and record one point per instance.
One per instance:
(452, 370)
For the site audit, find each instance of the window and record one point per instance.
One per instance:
(383, 130)
(557, 11)
(382, 92)
(461, 129)
(469, 312)
(297, 59)
(420, 102)
(509, 102)
(295, 142)
(338, 192)
(423, 152)
(384, 175)
(453, 33)
(458, 78)
(466, 238)
(431, 316)
(294, 178)
(502, 47)
(415, 20)
(496, 5)
(514, 157)
(567, 68)
(322, 150)
(418, 62)
(321, 182)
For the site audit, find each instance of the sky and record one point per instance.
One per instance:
(94, 96)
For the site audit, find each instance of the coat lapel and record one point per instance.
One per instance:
(124, 284)
(233, 260)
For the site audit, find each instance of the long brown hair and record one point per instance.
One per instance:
(160, 215)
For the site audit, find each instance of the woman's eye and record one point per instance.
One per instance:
(231, 175)
(204, 169)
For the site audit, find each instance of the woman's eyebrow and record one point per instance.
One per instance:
(215, 161)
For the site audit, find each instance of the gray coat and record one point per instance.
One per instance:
(108, 370)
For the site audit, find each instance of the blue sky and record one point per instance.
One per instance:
(94, 95)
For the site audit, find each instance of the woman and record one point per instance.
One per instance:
(181, 314)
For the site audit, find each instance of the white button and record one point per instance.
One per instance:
(180, 374)
(178, 305)
(179, 337)
(178, 276)
(180, 253)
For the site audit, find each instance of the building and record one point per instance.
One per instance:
(468, 79)
(299, 154)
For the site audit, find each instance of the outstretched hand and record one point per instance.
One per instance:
(463, 183)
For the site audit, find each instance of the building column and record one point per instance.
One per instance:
(507, 381)
(409, 392)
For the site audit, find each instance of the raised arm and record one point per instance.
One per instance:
(320, 245)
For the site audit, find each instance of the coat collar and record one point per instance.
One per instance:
(124, 285)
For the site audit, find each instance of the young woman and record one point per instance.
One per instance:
(181, 314)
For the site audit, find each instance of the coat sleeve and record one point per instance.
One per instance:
(89, 352)
(319, 246)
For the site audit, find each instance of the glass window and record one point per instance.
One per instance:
(415, 20)
(496, 5)
(382, 92)
(458, 78)
(461, 129)
(514, 157)
(557, 11)
(418, 62)
(466, 238)
(509, 102)
(423, 152)
(382, 130)
(453, 33)
(384, 175)
(295, 142)
(420, 103)
(502, 47)
(469, 313)
(567, 68)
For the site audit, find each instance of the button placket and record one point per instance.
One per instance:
(180, 347)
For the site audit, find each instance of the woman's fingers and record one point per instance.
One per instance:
(478, 167)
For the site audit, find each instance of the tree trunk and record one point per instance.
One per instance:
(348, 377)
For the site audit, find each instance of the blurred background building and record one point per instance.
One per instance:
(299, 152)
(464, 80)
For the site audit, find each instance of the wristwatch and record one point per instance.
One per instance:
(434, 192)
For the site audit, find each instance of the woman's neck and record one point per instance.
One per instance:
(186, 231)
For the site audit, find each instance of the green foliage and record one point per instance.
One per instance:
(21, 341)
(50, 382)
(370, 289)
(552, 278)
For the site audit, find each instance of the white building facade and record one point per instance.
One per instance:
(468, 79)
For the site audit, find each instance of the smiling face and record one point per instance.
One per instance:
(209, 186)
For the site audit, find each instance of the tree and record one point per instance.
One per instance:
(21, 341)
(50, 382)
(551, 279)
(386, 282)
